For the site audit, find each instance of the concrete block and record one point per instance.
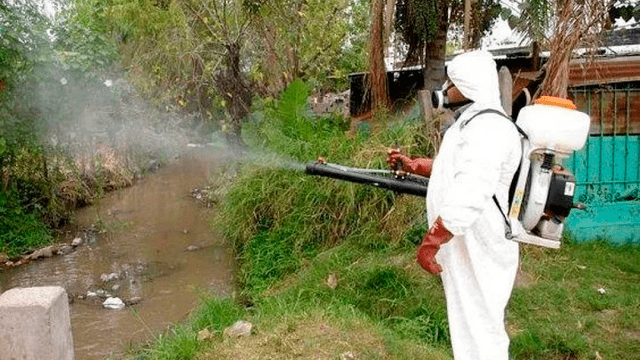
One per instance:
(35, 324)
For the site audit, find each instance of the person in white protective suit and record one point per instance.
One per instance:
(477, 160)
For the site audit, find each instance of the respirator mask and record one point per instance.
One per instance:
(448, 97)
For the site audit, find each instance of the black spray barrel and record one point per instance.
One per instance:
(409, 185)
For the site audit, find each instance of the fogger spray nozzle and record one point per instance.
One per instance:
(404, 185)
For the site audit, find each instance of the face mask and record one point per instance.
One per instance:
(449, 97)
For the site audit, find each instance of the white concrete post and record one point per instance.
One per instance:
(35, 324)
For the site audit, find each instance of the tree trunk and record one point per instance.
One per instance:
(436, 49)
(377, 68)
(274, 82)
(467, 25)
(236, 93)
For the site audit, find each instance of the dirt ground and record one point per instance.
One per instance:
(307, 339)
(316, 338)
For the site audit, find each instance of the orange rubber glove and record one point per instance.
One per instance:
(436, 236)
(418, 166)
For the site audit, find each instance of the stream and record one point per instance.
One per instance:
(150, 245)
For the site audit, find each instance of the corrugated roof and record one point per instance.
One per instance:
(604, 71)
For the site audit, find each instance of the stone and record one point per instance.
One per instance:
(113, 303)
(44, 252)
(35, 324)
(205, 335)
(76, 242)
(238, 329)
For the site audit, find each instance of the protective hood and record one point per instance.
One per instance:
(475, 75)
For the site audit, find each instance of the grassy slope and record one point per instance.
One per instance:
(327, 270)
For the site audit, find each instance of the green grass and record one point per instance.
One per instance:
(21, 230)
(563, 313)
(310, 248)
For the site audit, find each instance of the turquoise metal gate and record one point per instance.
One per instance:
(607, 169)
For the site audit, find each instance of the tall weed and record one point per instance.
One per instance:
(284, 224)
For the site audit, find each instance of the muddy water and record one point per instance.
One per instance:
(152, 245)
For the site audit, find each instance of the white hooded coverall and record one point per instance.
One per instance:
(475, 161)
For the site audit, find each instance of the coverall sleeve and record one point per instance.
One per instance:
(481, 161)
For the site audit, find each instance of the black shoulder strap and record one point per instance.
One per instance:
(494, 111)
(507, 224)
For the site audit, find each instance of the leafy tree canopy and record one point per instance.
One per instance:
(23, 40)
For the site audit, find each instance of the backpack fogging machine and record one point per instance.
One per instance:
(542, 190)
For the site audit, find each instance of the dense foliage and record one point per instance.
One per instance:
(206, 55)
(51, 69)
(25, 48)
(417, 22)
